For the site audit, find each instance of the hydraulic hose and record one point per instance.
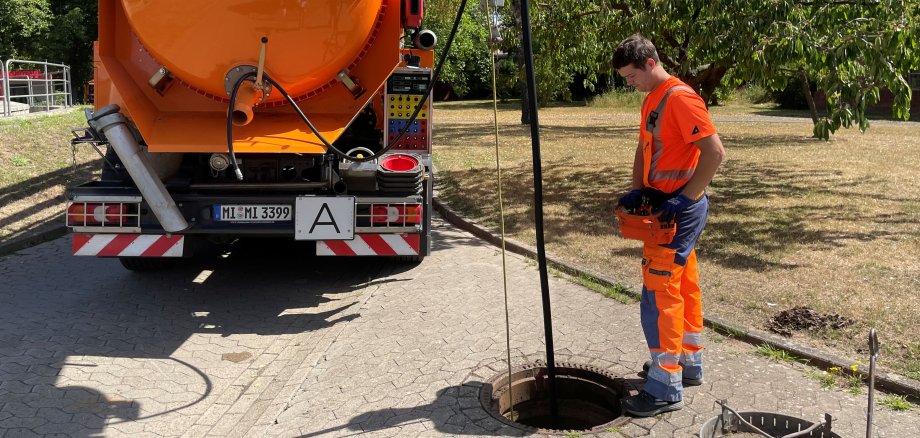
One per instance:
(233, 92)
(336, 151)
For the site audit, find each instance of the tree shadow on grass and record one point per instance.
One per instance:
(744, 231)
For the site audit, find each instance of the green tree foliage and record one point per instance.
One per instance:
(467, 66)
(22, 23)
(851, 49)
(58, 31)
(569, 38)
(848, 49)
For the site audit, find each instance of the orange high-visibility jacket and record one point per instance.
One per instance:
(673, 118)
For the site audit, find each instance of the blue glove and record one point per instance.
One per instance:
(672, 207)
(631, 200)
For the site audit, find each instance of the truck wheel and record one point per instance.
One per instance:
(148, 264)
(410, 259)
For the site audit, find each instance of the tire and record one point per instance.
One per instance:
(410, 259)
(148, 264)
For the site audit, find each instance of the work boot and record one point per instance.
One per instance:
(646, 405)
(686, 380)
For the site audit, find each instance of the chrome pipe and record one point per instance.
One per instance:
(113, 125)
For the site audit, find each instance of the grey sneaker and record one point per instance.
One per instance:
(686, 380)
(646, 405)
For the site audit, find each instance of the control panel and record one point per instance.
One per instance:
(405, 90)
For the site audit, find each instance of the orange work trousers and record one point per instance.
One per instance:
(671, 307)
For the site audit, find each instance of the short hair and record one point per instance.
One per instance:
(634, 50)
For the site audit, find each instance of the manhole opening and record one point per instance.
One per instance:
(588, 398)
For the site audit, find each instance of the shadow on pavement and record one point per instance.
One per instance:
(445, 413)
(69, 320)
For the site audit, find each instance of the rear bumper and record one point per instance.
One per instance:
(162, 245)
(150, 240)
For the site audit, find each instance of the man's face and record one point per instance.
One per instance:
(638, 78)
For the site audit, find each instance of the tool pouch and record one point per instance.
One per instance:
(645, 227)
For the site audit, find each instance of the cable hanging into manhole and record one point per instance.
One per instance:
(494, 39)
(538, 207)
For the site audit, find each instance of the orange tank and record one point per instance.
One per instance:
(168, 63)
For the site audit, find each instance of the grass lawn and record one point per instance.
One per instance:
(36, 164)
(794, 221)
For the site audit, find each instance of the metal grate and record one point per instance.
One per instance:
(364, 222)
(128, 215)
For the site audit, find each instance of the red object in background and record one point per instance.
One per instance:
(22, 74)
(413, 11)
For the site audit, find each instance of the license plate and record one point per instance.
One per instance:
(324, 218)
(252, 213)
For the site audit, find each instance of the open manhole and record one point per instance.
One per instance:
(588, 398)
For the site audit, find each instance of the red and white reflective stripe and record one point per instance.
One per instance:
(370, 245)
(127, 245)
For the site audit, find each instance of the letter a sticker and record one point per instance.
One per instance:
(319, 215)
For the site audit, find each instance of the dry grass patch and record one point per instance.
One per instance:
(794, 222)
(36, 164)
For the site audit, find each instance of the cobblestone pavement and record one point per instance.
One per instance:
(265, 342)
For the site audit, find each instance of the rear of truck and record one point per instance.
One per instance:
(265, 118)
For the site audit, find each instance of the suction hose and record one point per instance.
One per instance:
(113, 125)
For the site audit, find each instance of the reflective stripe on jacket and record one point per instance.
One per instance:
(669, 155)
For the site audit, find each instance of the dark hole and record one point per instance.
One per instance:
(586, 398)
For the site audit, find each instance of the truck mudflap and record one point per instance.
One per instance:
(128, 245)
(371, 245)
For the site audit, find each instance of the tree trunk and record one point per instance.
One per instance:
(806, 88)
(707, 81)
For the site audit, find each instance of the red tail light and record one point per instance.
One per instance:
(100, 214)
(396, 214)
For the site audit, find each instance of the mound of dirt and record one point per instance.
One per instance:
(805, 318)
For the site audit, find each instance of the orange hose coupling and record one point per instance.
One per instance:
(642, 225)
(246, 98)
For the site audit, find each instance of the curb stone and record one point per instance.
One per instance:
(50, 230)
(891, 382)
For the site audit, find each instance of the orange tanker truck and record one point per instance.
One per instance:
(303, 120)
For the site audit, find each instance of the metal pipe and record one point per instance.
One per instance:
(260, 186)
(47, 92)
(538, 208)
(873, 356)
(5, 89)
(114, 127)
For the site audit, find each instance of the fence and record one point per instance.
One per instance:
(43, 86)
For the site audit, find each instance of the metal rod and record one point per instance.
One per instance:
(4, 90)
(873, 355)
(260, 186)
(538, 207)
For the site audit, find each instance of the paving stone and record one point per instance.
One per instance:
(382, 350)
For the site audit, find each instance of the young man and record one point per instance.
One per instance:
(678, 154)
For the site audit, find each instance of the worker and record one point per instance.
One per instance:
(678, 154)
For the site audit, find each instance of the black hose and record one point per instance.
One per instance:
(538, 207)
(233, 91)
(336, 151)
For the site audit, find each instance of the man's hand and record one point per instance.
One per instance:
(631, 200)
(672, 207)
